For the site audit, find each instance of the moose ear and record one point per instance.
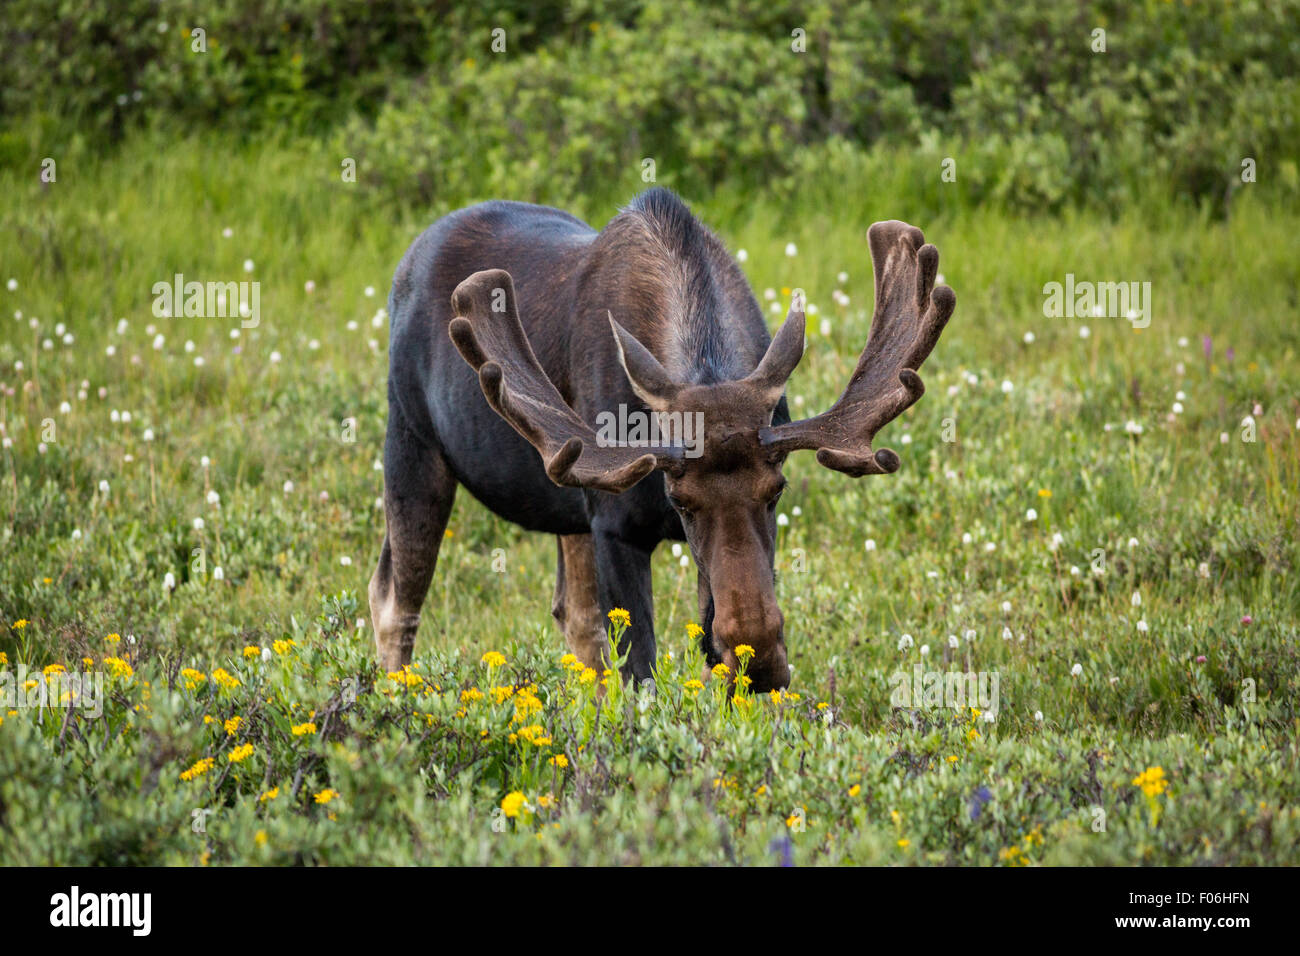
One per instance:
(649, 379)
(781, 357)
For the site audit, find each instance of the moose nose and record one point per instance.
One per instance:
(764, 631)
(769, 672)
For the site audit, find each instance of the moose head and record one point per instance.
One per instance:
(725, 497)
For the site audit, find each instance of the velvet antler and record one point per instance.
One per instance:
(909, 316)
(490, 337)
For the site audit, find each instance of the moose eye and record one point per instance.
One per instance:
(681, 506)
(776, 496)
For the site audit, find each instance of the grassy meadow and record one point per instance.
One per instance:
(1104, 518)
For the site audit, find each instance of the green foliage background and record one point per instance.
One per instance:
(1117, 166)
(583, 92)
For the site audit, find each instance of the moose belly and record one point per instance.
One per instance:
(500, 468)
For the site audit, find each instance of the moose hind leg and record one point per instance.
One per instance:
(418, 493)
(576, 607)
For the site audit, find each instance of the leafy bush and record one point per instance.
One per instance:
(107, 64)
(1035, 113)
(573, 119)
(298, 752)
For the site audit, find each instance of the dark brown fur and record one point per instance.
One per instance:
(561, 323)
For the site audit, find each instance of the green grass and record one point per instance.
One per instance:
(1204, 531)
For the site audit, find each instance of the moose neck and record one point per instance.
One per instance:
(667, 279)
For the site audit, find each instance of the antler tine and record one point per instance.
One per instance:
(910, 315)
(489, 336)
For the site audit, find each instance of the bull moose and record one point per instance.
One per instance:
(514, 326)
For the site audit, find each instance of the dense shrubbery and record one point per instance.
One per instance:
(581, 95)
(111, 63)
(299, 752)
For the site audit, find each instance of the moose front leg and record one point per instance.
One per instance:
(623, 579)
(576, 607)
(419, 490)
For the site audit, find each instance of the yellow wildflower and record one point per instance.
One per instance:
(19, 624)
(326, 795)
(559, 760)
(301, 729)
(406, 677)
(527, 703)
(269, 795)
(494, 659)
(232, 725)
(251, 651)
(224, 678)
(535, 734)
(619, 616)
(1012, 856)
(242, 752)
(744, 652)
(192, 678)
(199, 769)
(513, 803)
(118, 667)
(1152, 781)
